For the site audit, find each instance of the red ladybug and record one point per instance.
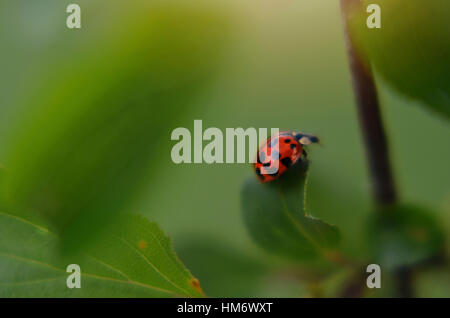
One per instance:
(290, 150)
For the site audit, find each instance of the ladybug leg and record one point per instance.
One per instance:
(304, 154)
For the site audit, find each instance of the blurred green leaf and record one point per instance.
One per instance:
(92, 139)
(411, 50)
(404, 235)
(276, 217)
(133, 259)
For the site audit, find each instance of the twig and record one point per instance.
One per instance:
(377, 151)
(370, 117)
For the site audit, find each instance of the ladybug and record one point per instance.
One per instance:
(280, 152)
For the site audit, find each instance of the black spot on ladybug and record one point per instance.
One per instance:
(286, 161)
(287, 141)
(273, 142)
(293, 146)
(266, 164)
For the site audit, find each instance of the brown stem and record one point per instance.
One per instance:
(377, 151)
(370, 117)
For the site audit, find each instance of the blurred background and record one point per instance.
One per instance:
(70, 123)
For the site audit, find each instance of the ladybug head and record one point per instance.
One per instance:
(306, 139)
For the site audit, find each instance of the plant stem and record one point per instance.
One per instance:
(376, 145)
(377, 151)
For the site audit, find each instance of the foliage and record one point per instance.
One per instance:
(88, 145)
(411, 50)
(95, 111)
(133, 258)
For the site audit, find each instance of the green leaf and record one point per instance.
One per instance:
(404, 235)
(276, 217)
(98, 122)
(411, 50)
(133, 259)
